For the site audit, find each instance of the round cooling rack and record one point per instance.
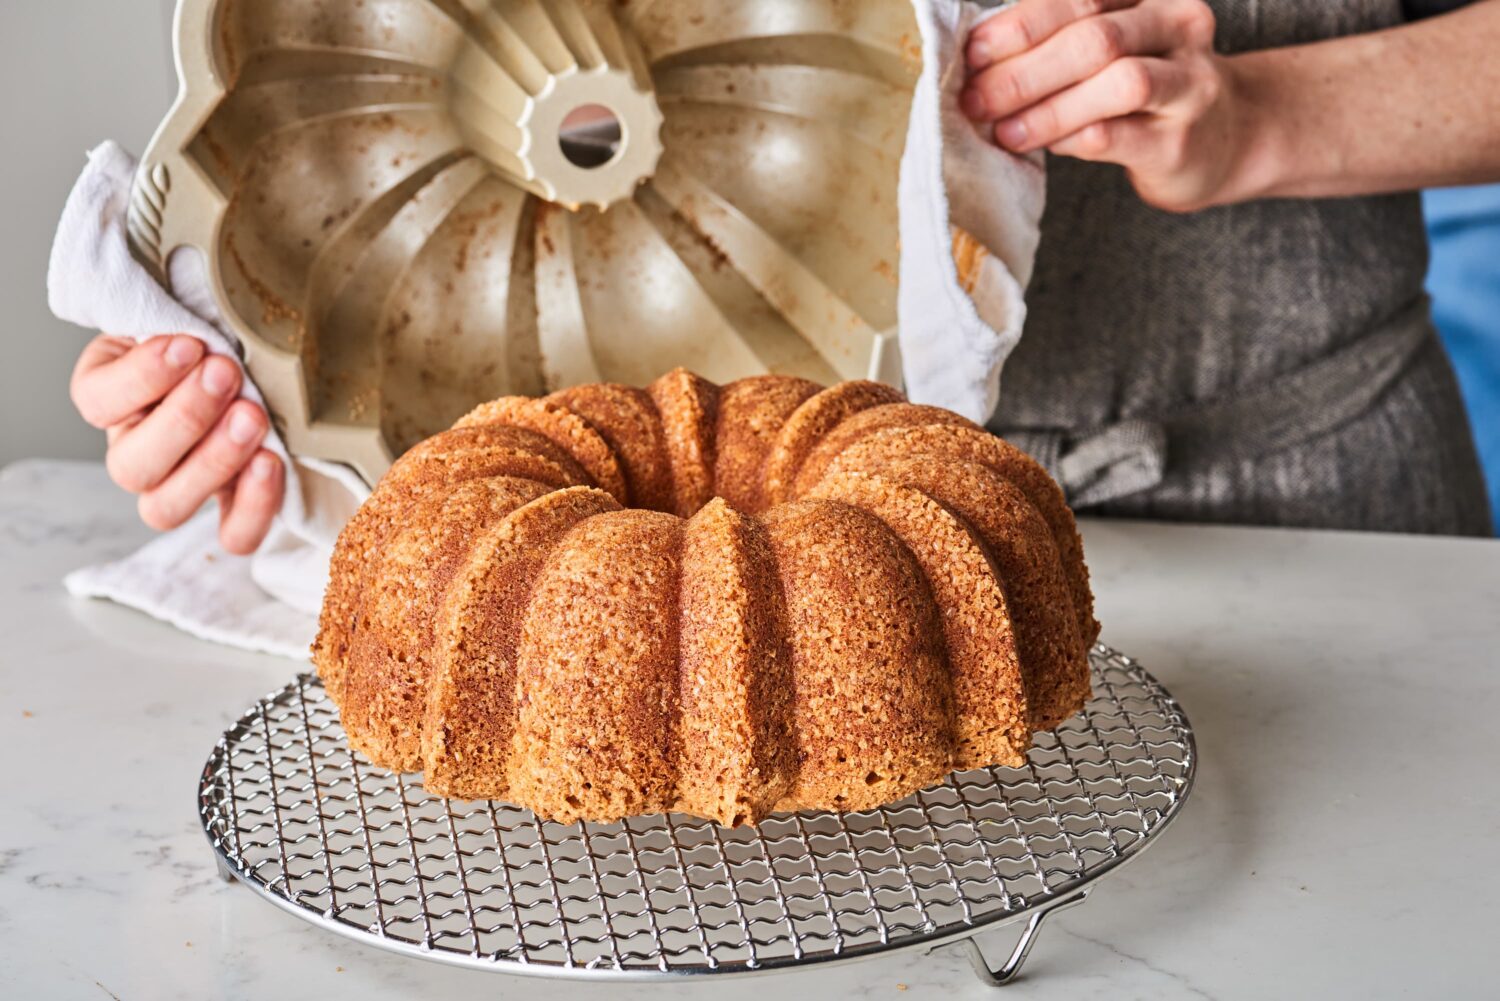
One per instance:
(311, 826)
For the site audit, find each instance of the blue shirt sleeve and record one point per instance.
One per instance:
(1464, 224)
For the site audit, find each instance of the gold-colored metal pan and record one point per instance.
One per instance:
(410, 206)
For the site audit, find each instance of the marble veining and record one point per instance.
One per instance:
(1343, 688)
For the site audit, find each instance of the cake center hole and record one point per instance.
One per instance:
(591, 136)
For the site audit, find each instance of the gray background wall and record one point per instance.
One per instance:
(73, 72)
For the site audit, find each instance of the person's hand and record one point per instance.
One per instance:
(1133, 82)
(178, 434)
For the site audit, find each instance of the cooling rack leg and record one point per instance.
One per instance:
(1012, 968)
(225, 873)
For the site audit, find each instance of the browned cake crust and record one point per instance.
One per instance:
(810, 423)
(433, 468)
(874, 700)
(390, 663)
(598, 713)
(724, 602)
(688, 406)
(992, 722)
(1052, 654)
(891, 416)
(752, 413)
(957, 442)
(626, 418)
(738, 759)
(470, 708)
(565, 429)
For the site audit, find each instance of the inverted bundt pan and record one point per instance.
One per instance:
(395, 231)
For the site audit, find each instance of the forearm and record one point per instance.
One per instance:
(1411, 107)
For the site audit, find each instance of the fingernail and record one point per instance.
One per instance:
(218, 377)
(973, 103)
(263, 468)
(1011, 133)
(979, 53)
(183, 351)
(243, 428)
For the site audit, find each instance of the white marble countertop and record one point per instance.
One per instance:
(1342, 839)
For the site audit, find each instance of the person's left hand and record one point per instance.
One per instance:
(179, 434)
(1133, 82)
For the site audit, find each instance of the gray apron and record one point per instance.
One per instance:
(1266, 363)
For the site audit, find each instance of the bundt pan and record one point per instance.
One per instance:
(411, 206)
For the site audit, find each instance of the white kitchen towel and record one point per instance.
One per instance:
(961, 302)
(268, 602)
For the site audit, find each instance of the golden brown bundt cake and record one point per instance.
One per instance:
(725, 601)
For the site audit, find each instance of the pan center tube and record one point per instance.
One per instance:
(562, 106)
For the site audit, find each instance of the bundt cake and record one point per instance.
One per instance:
(724, 601)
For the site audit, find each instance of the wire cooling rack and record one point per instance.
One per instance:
(297, 816)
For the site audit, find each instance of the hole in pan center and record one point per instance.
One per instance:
(591, 136)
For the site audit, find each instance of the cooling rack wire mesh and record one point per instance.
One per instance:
(298, 817)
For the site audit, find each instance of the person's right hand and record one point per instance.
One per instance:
(178, 434)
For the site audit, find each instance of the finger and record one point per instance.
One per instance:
(1125, 87)
(113, 378)
(1119, 140)
(115, 432)
(1028, 24)
(1069, 57)
(103, 349)
(144, 456)
(247, 511)
(211, 466)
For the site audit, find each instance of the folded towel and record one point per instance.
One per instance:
(960, 197)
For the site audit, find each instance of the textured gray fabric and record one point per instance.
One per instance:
(1105, 464)
(1098, 466)
(1143, 318)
